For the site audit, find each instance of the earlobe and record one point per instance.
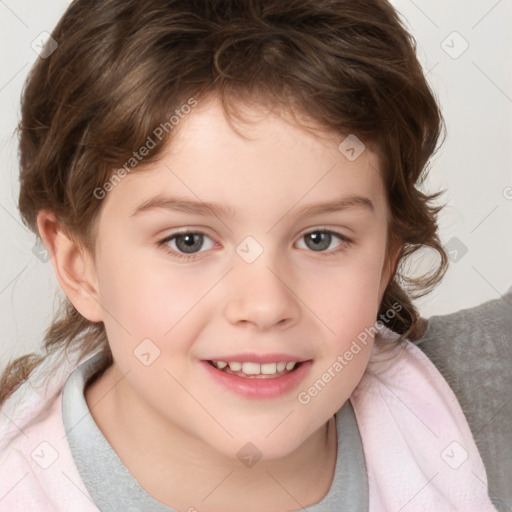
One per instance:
(73, 266)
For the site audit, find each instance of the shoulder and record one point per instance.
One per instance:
(34, 397)
(37, 470)
(472, 339)
(496, 313)
(472, 349)
(408, 415)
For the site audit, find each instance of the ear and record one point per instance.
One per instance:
(73, 265)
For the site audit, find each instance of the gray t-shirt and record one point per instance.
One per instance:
(113, 487)
(472, 349)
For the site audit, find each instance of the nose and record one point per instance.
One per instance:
(261, 296)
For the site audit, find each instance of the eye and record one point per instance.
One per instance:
(321, 239)
(185, 244)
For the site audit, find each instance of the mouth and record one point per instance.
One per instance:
(252, 370)
(250, 379)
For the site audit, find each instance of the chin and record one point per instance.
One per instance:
(249, 449)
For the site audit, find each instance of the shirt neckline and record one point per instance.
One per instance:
(113, 487)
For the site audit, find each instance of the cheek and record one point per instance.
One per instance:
(148, 295)
(335, 378)
(348, 310)
(345, 295)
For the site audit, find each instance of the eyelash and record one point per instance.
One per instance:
(346, 243)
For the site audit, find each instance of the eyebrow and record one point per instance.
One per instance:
(204, 208)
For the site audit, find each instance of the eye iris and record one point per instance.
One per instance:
(321, 240)
(190, 244)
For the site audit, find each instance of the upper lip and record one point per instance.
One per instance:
(258, 358)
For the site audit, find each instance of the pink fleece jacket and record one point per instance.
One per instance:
(419, 450)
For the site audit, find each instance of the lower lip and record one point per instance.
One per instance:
(259, 388)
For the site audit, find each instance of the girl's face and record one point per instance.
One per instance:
(263, 250)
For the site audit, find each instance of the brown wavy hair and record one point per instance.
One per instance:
(122, 67)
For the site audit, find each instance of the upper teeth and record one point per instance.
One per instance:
(250, 368)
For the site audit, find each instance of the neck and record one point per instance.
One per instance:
(182, 472)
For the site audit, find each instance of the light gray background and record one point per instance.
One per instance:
(474, 165)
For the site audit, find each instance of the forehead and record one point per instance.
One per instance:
(275, 131)
(266, 162)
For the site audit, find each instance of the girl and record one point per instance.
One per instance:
(227, 193)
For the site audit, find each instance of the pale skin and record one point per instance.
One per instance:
(176, 430)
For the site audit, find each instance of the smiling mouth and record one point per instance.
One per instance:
(250, 370)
